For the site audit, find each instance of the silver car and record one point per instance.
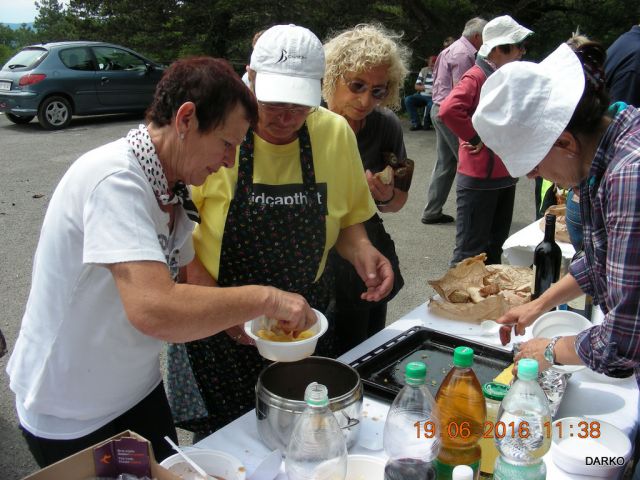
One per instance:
(54, 81)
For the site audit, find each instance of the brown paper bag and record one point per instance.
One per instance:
(473, 291)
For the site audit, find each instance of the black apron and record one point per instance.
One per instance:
(276, 245)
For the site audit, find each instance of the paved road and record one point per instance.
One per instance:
(33, 160)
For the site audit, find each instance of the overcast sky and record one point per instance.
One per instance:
(19, 11)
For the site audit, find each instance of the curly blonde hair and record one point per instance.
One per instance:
(362, 48)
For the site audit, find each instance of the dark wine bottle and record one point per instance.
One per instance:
(547, 258)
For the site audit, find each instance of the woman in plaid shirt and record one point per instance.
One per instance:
(549, 120)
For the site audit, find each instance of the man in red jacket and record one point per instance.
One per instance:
(485, 190)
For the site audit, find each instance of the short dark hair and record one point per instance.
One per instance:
(210, 83)
(595, 99)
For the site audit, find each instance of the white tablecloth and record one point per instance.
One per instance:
(616, 403)
(519, 247)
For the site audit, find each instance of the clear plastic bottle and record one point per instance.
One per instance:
(462, 411)
(520, 429)
(493, 392)
(317, 449)
(411, 437)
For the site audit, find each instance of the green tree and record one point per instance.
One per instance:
(53, 22)
(428, 22)
(24, 36)
(7, 38)
(12, 40)
(153, 27)
(169, 29)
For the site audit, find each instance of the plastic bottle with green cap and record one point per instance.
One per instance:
(522, 438)
(493, 393)
(317, 449)
(411, 438)
(462, 411)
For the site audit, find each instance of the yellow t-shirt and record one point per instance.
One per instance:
(336, 163)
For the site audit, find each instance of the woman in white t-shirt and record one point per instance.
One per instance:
(104, 295)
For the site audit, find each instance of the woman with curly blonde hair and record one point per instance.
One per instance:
(365, 67)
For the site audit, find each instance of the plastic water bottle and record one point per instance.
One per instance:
(520, 429)
(411, 438)
(462, 412)
(317, 449)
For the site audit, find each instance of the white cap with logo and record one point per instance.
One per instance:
(525, 106)
(502, 30)
(289, 65)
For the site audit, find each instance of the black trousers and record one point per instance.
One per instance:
(483, 221)
(150, 418)
(356, 323)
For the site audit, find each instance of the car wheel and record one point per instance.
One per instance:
(54, 113)
(18, 119)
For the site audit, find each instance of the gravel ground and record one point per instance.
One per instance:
(32, 162)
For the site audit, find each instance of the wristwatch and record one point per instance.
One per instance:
(549, 354)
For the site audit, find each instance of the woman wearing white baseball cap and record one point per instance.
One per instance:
(485, 192)
(549, 119)
(297, 189)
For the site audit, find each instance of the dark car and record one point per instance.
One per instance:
(57, 80)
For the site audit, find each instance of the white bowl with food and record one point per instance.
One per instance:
(365, 467)
(560, 323)
(586, 446)
(278, 346)
(217, 464)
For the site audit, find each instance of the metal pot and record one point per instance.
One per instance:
(280, 397)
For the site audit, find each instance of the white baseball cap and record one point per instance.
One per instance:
(502, 30)
(525, 106)
(289, 65)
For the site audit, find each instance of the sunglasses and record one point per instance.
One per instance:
(358, 87)
(521, 46)
(281, 108)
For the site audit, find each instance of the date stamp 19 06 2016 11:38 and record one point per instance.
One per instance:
(463, 430)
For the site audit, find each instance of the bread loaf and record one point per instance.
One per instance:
(386, 175)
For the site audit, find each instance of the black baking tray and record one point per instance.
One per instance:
(382, 369)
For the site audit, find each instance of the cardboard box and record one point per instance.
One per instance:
(81, 465)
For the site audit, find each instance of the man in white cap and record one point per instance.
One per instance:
(485, 192)
(549, 119)
(297, 190)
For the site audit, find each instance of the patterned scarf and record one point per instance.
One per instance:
(140, 142)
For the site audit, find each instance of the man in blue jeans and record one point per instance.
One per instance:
(422, 97)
